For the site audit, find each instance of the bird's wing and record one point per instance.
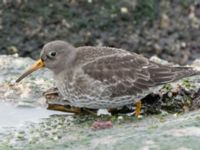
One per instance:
(129, 74)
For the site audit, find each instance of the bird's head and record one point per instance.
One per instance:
(55, 55)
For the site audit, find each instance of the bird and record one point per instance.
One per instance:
(103, 77)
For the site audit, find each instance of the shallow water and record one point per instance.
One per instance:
(13, 116)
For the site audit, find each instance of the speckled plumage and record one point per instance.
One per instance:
(103, 77)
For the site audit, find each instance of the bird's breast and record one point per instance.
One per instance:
(80, 87)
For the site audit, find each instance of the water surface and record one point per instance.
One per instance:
(12, 115)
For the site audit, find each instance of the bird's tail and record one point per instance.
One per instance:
(164, 74)
(182, 72)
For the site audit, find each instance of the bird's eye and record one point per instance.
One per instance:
(52, 54)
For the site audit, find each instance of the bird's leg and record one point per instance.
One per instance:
(138, 108)
(64, 108)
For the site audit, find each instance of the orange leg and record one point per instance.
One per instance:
(138, 108)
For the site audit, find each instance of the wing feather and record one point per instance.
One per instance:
(130, 74)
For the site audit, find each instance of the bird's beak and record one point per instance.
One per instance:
(37, 65)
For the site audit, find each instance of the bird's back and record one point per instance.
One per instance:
(88, 54)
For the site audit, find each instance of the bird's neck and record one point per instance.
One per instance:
(70, 61)
(68, 65)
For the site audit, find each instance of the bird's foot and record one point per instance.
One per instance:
(128, 111)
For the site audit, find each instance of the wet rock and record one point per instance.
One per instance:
(148, 27)
(28, 90)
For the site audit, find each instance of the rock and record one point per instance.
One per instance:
(146, 27)
(164, 21)
(99, 125)
(29, 89)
